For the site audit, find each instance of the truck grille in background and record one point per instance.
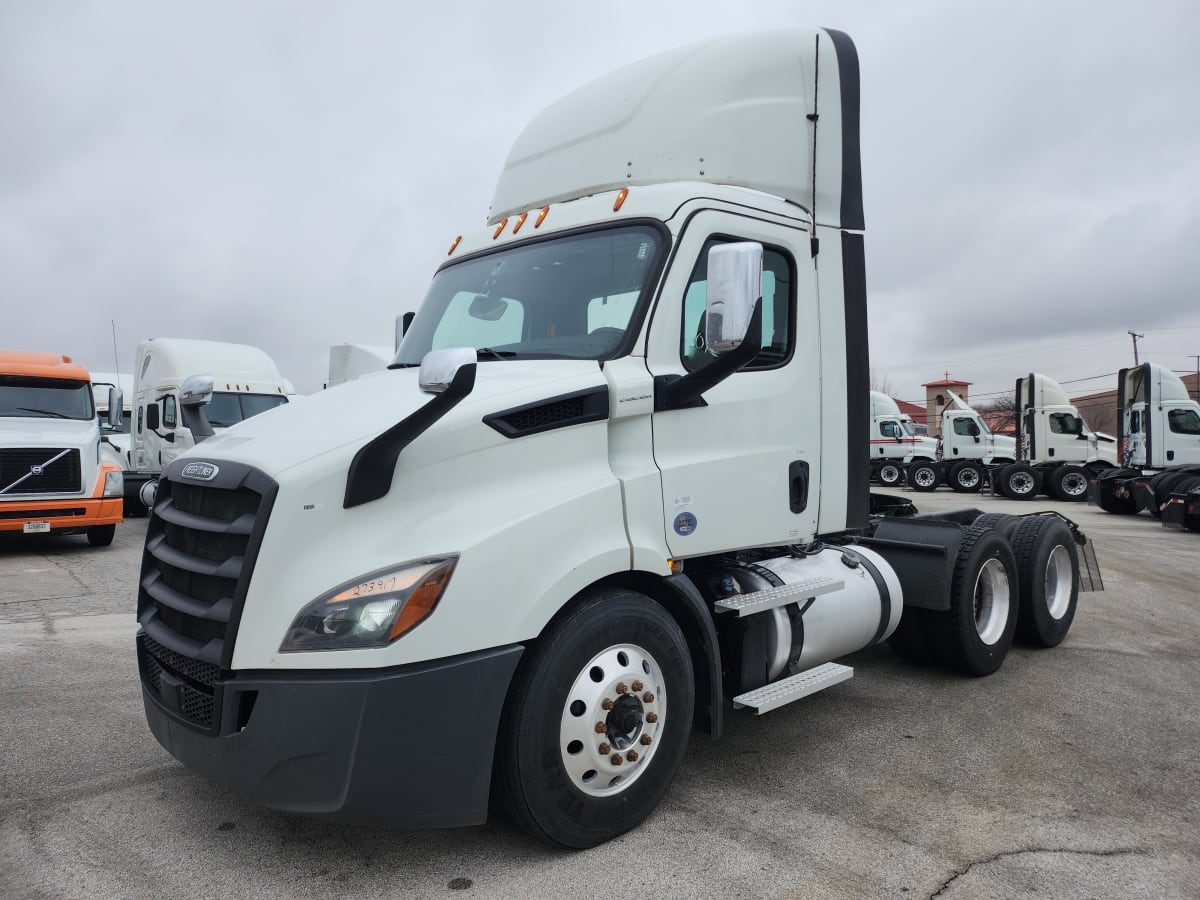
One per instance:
(63, 476)
(200, 548)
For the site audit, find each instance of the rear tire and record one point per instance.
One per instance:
(1069, 483)
(974, 636)
(923, 477)
(890, 474)
(1048, 579)
(1018, 482)
(550, 774)
(1001, 522)
(101, 535)
(966, 477)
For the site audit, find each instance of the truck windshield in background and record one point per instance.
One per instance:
(571, 297)
(53, 398)
(229, 409)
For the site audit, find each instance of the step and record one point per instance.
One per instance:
(779, 693)
(762, 601)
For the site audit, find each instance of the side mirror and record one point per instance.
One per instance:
(196, 390)
(440, 368)
(402, 325)
(152, 416)
(734, 287)
(116, 400)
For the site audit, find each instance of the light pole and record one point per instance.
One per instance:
(1135, 336)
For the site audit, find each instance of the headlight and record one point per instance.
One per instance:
(114, 483)
(371, 611)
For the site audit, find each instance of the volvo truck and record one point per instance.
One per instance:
(1159, 433)
(246, 382)
(612, 489)
(968, 452)
(894, 441)
(1057, 452)
(55, 476)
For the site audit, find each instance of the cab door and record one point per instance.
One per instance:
(1183, 435)
(741, 470)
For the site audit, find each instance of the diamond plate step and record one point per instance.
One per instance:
(761, 601)
(779, 693)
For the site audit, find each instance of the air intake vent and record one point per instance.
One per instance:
(26, 471)
(557, 412)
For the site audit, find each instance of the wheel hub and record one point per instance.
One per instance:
(992, 599)
(1059, 579)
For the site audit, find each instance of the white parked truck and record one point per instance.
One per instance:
(1159, 433)
(968, 452)
(1057, 452)
(246, 382)
(612, 487)
(894, 441)
(350, 361)
(55, 477)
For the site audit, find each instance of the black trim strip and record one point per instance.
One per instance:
(374, 465)
(593, 408)
(858, 381)
(885, 596)
(848, 74)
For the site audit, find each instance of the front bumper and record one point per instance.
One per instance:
(64, 516)
(405, 747)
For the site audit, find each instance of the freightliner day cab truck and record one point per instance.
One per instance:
(1058, 453)
(894, 441)
(1159, 434)
(969, 452)
(54, 476)
(246, 382)
(612, 488)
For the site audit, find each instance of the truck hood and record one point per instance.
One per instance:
(44, 431)
(351, 414)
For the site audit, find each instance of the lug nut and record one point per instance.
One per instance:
(601, 728)
(606, 704)
(647, 697)
(616, 759)
(622, 688)
(645, 740)
(604, 749)
(632, 756)
(637, 685)
(651, 717)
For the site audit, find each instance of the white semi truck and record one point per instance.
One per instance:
(246, 382)
(1159, 433)
(350, 361)
(611, 489)
(1057, 452)
(894, 441)
(55, 476)
(968, 453)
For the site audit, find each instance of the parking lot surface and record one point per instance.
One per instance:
(1072, 772)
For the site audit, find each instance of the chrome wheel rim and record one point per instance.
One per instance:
(1059, 578)
(992, 601)
(612, 720)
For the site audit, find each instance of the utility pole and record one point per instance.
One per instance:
(1196, 357)
(1135, 336)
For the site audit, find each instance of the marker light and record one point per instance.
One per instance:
(520, 221)
(621, 195)
(541, 217)
(371, 611)
(454, 245)
(500, 228)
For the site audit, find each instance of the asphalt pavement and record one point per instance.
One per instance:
(1072, 772)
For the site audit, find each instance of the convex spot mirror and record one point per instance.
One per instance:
(116, 400)
(734, 287)
(196, 390)
(439, 367)
(489, 309)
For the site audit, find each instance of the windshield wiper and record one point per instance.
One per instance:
(44, 412)
(483, 352)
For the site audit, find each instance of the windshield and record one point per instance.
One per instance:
(906, 425)
(51, 398)
(229, 409)
(568, 298)
(105, 428)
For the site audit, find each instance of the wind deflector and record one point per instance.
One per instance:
(374, 465)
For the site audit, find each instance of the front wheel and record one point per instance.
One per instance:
(101, 535)
(596, 722)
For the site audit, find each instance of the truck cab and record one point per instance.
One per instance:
(1159, 421)
(1051, 430)
(965, 435)
(54, 476)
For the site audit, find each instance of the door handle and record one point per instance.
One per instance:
(798, 485)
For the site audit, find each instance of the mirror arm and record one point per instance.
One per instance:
(685, 392)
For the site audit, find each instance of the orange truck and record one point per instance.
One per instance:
(56, 474)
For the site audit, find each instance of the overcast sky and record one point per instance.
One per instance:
(289, 174)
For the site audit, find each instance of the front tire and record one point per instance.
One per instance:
(101, 535)
(1048, 579)
(596, 722)
(974, 636)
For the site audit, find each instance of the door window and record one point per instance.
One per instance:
(1183, 421)
(963, 427)
(778, 297)
(1065, 423)
(889, 429)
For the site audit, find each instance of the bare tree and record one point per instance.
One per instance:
(881, 382)
(1006, 406)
